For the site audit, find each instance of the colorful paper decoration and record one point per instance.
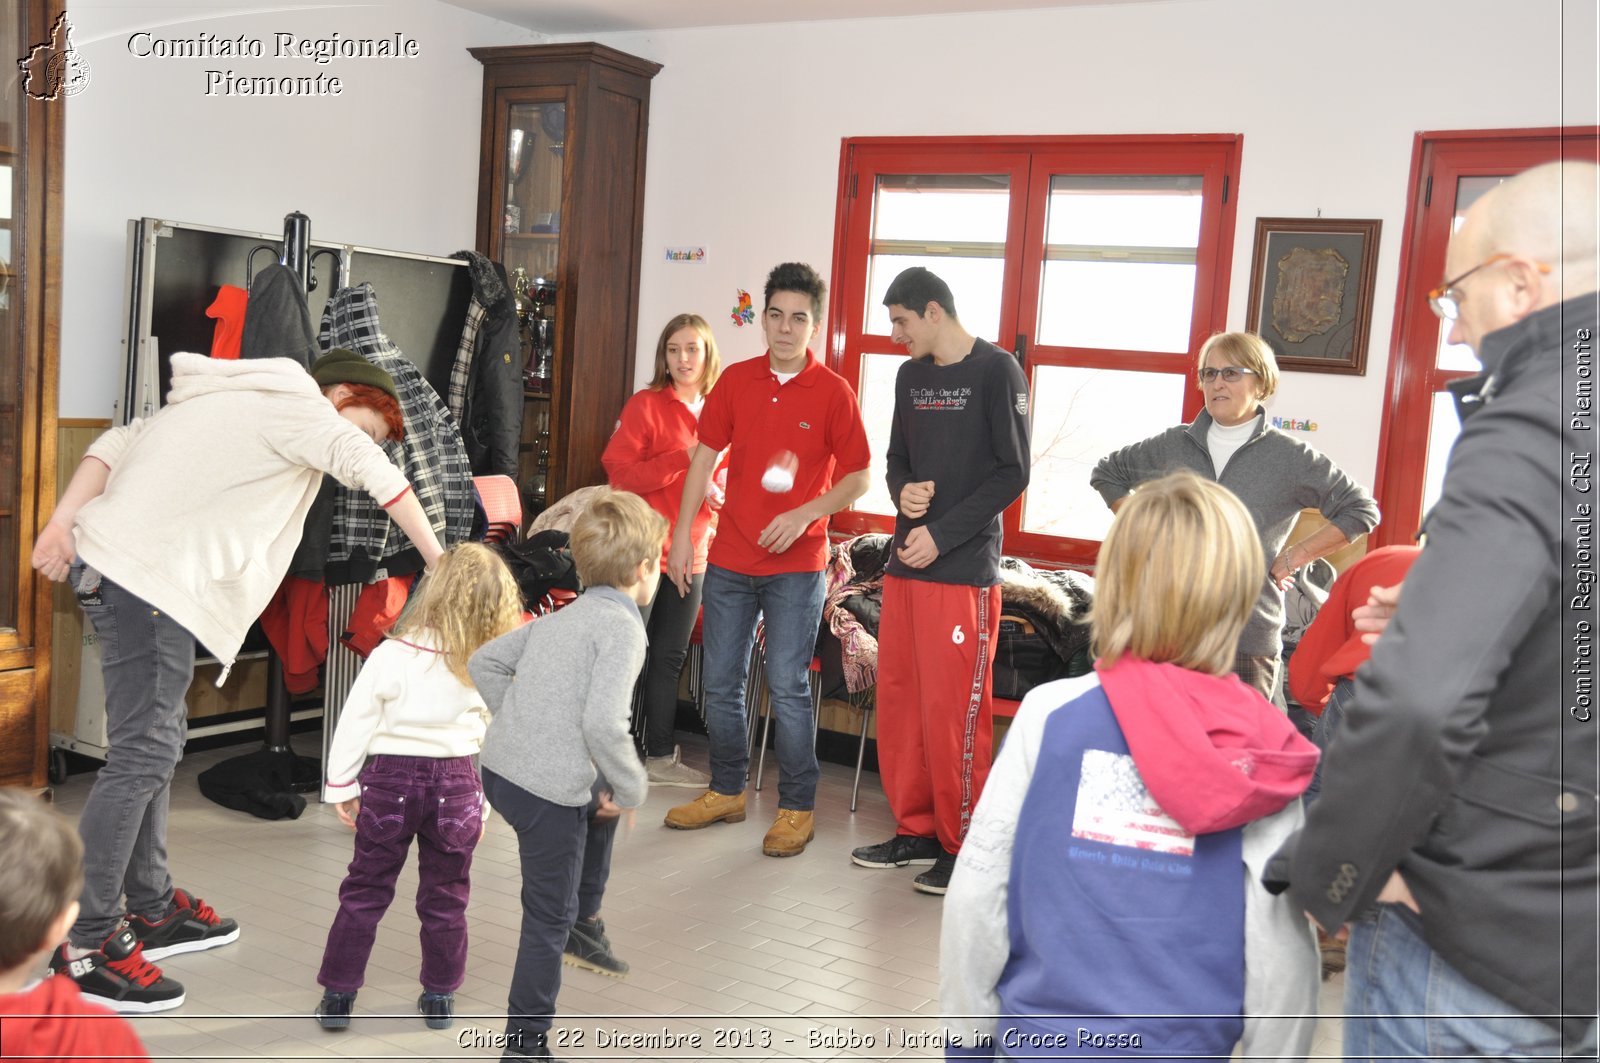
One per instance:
(745, 313)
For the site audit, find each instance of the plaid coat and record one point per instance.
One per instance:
(364, 544)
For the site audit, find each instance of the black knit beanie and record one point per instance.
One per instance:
(340, 366)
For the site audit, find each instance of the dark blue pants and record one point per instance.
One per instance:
(566, 858)
(439, 802)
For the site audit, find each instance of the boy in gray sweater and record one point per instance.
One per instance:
(560, 689)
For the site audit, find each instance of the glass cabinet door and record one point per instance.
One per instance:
(535, 151)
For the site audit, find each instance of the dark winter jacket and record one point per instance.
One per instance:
(486, 380)
(1467, 761)
(276, 321)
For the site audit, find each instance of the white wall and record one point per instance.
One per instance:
(391, 162)
(746, 126)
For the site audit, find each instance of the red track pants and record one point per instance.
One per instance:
(935, 729)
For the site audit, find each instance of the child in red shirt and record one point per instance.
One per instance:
(41, 872)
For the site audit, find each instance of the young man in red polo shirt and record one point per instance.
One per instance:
(958, 456)
(798, 454)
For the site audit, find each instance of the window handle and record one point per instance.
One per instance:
(1021, 350)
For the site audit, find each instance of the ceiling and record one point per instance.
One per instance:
(560, 17)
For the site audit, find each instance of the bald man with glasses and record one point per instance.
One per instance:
(1456, 830)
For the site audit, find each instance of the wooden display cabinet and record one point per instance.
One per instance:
(561, 197)
(30, 304)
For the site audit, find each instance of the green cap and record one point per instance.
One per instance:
(340, 366)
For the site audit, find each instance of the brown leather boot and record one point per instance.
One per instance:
(789, 833)
(710, 807)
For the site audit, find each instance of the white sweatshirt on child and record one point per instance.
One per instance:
(406, 703)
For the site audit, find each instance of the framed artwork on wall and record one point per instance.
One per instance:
(1311, 291)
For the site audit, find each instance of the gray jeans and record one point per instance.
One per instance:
(148, 662)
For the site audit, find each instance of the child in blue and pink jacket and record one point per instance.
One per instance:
(1106, 901)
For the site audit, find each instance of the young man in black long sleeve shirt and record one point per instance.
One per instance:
(958, 456)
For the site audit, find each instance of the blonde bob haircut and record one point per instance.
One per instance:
(613, 535)
(1248, 351)
(713, 363)
(467, 598)
(1177, 577)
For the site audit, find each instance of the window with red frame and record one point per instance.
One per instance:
(1100, 262)
(1449, 171)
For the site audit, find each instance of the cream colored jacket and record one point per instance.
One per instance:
(206, 498)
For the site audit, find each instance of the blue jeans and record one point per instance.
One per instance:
(1327, 725)
(791, 602)
(147, 659)
(1402, 1001)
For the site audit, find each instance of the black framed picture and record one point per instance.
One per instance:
(1311, 291)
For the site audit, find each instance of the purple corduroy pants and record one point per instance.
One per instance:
(439, 802)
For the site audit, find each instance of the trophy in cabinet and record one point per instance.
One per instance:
(540, 296)
(517, 143)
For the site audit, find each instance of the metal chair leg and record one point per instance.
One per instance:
(697, 688)
(861, 755)
(815, 678)
(753, 689)
(766, 729)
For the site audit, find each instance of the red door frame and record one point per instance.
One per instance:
(1438, 160)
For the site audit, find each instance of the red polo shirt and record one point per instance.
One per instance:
(816, 417)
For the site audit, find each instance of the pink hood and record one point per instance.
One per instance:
(1212, 751)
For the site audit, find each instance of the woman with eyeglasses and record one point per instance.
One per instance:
(1274, 474)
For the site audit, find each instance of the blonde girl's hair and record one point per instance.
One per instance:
(1247, 350)
(1178, 575)
(713, 363)
(613, 535)
(468, 598)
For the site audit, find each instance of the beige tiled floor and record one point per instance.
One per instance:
(784, 957)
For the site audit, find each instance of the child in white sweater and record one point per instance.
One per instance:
(415, 711)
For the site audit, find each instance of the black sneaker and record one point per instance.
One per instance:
(118, 976)
(528, 1046)
(588, 946)
(899, 851)
(936, 879)
(333, 1012)
(192, 926)
(438, 1010)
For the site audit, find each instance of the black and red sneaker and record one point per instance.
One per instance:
(191, 926)
(118, 976)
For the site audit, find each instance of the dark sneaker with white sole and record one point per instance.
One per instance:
(118, 975)
(899, 851)
(588, 946)
(333, 1011)
(936, 879)
(191, 926)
